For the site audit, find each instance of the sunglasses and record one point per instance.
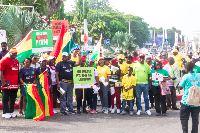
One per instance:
(163, 55)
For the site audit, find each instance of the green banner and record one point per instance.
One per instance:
(83, 75)
(41, 41)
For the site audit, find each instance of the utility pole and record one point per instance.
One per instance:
(83, 9)
(129, 26)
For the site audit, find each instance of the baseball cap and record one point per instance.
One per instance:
(141, 55)
(42, 59)
(91, 60)
(121, 56)
(65, 54)
(51, 57)
(175, 50)
(107, 58)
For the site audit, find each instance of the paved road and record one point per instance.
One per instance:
(98, 123)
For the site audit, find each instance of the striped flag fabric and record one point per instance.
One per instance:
(64, 43)
(96, 53)
(34, 106)
(43, 90)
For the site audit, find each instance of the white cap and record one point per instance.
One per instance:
(51, 57)
(65, 54)
(42, 59)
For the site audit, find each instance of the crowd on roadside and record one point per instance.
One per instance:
(134, 74)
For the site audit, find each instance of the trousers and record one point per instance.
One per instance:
(117, 95)
(103, 92)
(91, 98)
(79, 97)
(171, 98)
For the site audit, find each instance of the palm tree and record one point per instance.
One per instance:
(123, 41)
(17, 23)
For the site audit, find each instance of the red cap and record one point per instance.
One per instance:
(141, 55)
(114, 61)
(83, 58)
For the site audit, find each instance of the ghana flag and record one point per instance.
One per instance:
(64, 43)
(34, 106)
(43, 90)
(24, 48)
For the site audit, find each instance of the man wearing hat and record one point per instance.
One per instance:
(75, 52)
(64, 79)
(178, 59)
(141, 71)
(9, 68)
(129, 61)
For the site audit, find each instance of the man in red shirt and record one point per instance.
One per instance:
(164, 60)
(135, 57)
(9, 68)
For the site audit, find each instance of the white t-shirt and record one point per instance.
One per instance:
(95, 74)
(169, 70)
(35, 66)
(53, 74)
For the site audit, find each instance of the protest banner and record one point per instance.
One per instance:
(57, 26)
(41, 41)
(83, 77)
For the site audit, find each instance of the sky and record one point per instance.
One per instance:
(182, 14)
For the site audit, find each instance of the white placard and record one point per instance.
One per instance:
(157, 77)
(83, 86)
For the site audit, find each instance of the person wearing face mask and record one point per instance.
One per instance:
(26, 76)
(9, 68)
(51, 66)
(64, 79)
(141, 71)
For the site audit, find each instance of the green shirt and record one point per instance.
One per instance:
(196, 69)
(141, 72)
(161, 71)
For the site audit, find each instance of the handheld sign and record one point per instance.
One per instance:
(157, 77)
(83, 77)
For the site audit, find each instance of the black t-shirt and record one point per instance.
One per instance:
(27, 75)
(40, 70)
(2, 54)
(65, 70)
(115, 76)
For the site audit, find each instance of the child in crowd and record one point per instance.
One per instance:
(128, 83)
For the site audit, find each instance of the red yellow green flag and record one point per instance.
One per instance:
(34, 106)
(43, 90)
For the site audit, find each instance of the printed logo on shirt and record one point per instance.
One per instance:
(14, 68)
(64, 66)
(32, 72)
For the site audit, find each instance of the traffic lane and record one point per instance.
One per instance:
(96, 122)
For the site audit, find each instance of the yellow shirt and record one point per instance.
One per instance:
(74, 59)
(103, 71)
(130, 65)
(46, 55)
(126, 83)
(124, 69)
(178, 61)
(188, 59)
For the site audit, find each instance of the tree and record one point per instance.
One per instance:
(102, 5)
(17, 23)
(116, 26)
(124, 41)
(60, 14)
(79, 7)
(99, 28)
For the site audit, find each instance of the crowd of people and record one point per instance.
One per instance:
(134, 74)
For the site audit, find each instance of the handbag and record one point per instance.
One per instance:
(165, 90)
(194, 96)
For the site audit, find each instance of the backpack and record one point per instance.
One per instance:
(194, 96)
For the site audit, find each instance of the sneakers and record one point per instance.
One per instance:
(139, 112)
(123, 112)
(106, 111)
(78, 111)
(63, 113)
(164, 114)
(72, 112)
(90, 110)
(112, 111)
(13, 115)
(109, 109)
(131, 113)
(101, 111)
(7, 115)
(93, 111)
(158, 114)
(148, 112)
(54, 111)
(20, 113)
(118, 111)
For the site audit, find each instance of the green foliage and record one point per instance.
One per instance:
(18, 23)
(59, 15)
(99, 28)
(116, 26)
(124, 41)
(79, 7)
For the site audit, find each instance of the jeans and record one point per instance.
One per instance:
(124, 104)
(103, 92)
(184, 117)
(69, 88)
(145, 89)
(8, 95)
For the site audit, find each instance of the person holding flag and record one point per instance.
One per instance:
(64, 79)
(9, 68)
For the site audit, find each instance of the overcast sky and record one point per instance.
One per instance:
(182, 14)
